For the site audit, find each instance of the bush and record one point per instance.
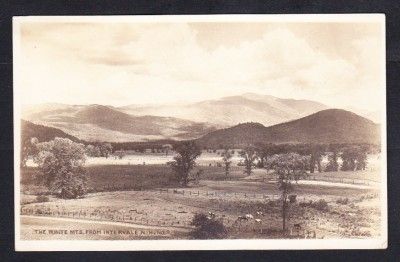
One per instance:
(292, 198)
(320, 205)
(207, 227)
(42, 198)
(342, 201)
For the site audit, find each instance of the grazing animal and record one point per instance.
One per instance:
(211, 215)
(249, 216)
(259, 213)
(258, 220)
(241, 218)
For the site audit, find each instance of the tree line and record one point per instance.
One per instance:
(61, 160)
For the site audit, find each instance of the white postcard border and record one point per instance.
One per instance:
(236, 244)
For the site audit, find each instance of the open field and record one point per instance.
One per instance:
(126, 198)
(174, 209)
(128, 177)
(140, 177)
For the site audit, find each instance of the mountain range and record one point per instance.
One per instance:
(232, 110)
(106, 123)
(243, 118)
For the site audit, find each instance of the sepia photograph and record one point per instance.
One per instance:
(200, 132)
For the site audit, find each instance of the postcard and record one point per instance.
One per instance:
(200, 132)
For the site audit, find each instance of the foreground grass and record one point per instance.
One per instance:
(359, 217)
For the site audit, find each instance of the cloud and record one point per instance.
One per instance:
(156, 63)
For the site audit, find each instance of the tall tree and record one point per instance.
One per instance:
(185, 160)
(226, 158)
(263, 151)
(62, 163)
(333, 156)
(249, 156)
(289, 168)
(354, 158)
(316, 154)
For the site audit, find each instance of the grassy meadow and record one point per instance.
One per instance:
(137, 196)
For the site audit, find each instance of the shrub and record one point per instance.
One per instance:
(207, 227)
(42, 198)
(292, 198)
(342, 201)
(320, 205)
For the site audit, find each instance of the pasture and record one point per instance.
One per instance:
(146, 195)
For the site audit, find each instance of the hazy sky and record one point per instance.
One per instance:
(338, 64)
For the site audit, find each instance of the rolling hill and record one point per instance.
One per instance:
(232, 110)
(327, 126)
(42, 133)
(106, 123)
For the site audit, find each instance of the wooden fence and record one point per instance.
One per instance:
(134, 217)
(195, 193)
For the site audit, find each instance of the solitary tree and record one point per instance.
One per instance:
(61, 162)
(249, 156)
(289, 168)
(185, 160)
(226, 157)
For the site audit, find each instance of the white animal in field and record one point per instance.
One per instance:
(249, 216)
(211, 215)
(259, 213)
(258, 220)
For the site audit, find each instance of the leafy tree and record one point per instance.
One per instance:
(120, 154)
(333, 164)
(263, 152)
(166, 148)
(28, 149)
(185, 160)
(249, 156)
(316, 153)
(105, 149)
(226, 158)
(61, 161)
(92, 151)
(354, 158)
(289, 168)
(207, 227)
